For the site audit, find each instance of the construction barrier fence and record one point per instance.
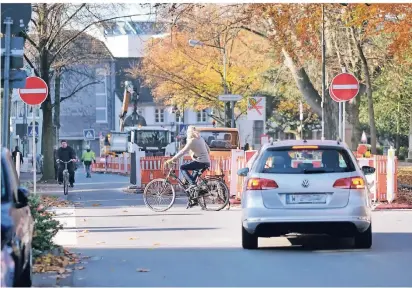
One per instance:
(152, 167)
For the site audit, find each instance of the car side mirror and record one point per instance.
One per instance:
(243, 172)
(22, 198)
(367, 170)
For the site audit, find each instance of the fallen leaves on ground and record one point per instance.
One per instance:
(79, 267)
(133, 238)
(142, 270)
(53, 201)
(405, 175)
(156, 244)
(101, 242)
(52, 263)
(85, 231)
(125, 211)
(96, 204)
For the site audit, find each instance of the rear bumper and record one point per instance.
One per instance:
(264, 222)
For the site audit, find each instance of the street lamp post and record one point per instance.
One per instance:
(323, 72)
(195, 43)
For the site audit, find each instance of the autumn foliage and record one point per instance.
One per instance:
(194, 76)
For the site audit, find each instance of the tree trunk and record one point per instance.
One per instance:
(312, 97)
(368, 83)
(56, 119)
(47, 135)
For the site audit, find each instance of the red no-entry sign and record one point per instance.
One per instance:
(344, 87)
(35, 91)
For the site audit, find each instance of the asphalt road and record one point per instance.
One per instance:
(190, 248)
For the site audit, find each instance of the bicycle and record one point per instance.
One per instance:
(207, 186)
(66, 176)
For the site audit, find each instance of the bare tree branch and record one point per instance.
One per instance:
(76, 90)
(52, 38)
(31, 65)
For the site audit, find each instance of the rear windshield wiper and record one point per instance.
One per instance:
(310, 171)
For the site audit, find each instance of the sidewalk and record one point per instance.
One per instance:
(28, 177)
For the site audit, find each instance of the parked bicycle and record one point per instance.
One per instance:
(159, 194)
(66, 176)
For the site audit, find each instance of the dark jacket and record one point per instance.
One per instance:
(65, 154)
(14, 156)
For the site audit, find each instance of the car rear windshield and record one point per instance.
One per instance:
(317, 159)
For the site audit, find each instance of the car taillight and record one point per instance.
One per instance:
(261, 184)
(350, 183)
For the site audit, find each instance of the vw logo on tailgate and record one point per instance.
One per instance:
(305, 183)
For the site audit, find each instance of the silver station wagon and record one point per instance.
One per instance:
(306, 187)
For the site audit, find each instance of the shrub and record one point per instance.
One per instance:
(45, 227)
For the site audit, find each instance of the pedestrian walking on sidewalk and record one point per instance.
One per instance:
(14, 155)
(87, 158)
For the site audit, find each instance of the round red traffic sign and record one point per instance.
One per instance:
(333, 96)
(35, 91)
(345, 87)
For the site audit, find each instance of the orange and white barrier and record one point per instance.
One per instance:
(383, 183)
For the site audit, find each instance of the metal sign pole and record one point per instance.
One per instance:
(343, 122)
(34, 147)
(6, 89)
(340, 120)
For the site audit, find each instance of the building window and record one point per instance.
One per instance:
(181, 117)
(159, 115)
(201, 116)
(101, 96)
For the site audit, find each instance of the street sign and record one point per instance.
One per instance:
(88, 134)
(30, 130)
(17, 78)
(256, 108)
(20, 14)
(35, 91)
(183, 129)
(331, 94)
(344, 87)
(229, 97)
(16, 52)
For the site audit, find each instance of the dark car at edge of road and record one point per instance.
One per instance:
(17, 223)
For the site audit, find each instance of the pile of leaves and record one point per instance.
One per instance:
(405, 175)
(45, 227)
(405, 185)
(53, 201)
(53, 263)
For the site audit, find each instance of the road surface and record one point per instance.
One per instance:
(190, 248)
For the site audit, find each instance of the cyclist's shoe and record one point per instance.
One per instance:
(191, 203)
(71, 185)
(60, 183)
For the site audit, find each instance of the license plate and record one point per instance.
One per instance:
(306, 198)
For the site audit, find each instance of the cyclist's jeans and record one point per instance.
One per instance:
(71, 172)
(194, 165)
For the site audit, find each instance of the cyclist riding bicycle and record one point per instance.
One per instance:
(199, 151)
(66, 153)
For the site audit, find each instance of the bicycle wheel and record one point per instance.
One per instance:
(159, 195)
(65, 186)
(216, 196)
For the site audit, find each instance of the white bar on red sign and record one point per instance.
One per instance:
(343, 87)
(32, 91)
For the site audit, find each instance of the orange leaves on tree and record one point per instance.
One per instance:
(193, 76)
